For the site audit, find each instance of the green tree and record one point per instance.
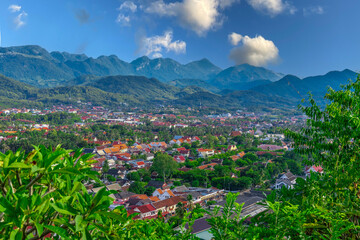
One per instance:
(164, 165)
(149, 190)
(251, 157)
(134, 176)
(295, 167)
(137, 187)
(324, 206)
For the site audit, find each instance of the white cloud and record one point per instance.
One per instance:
(272, 7)
(14, 8)
(19, 20)
(163, 9)
(313, 10)
(155, 45)
(199, 16)
(157, 55)
(123, 20)
(235, 38)
(255, 51)
(128, 5)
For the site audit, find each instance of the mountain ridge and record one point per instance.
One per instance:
(34, 65)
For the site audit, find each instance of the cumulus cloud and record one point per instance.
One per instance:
(128, 5)
(19, 20)
(199, 16)
(14, 8)
(155, 45)
(255, 51)
(164, 9)
(313, 10)
(157, 55)
(123, 20)
(235, 38)
(82, 16)
(272, 7)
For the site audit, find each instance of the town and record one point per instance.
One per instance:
(168, 161)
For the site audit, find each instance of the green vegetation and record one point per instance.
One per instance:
(42, 189)
(28, 139)
(182, 83)
(43, 195)
(57, 118)
(164, 165)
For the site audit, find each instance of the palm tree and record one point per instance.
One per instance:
(180, 211)
(189, 198)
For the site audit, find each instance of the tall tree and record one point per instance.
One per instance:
(164, 165)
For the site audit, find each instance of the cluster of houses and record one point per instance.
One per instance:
(163, 201)
(288, 180)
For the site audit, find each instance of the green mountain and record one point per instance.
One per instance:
(181, 83)
(136, 86)
(243, 77)
(166, 69)
(235, 100)
(17, 94)
(33, 65)
(109, 91)
(295, 89)
(38, 67)
(202, 69)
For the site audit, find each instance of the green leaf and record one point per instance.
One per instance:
(18, 165)
(58, 230)
(16, 235)
(7, 205)
(39, 228)
(86, 235)
(61, 210)
(67, 171)
(78, 221)
(98, 196)
(76, 187)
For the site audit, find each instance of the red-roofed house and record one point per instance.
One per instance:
(209, 166)
(313, 168)
(145, 211)
(204, 153)
(163, 194)
(179, 159)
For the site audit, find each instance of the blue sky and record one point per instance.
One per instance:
(304, 38)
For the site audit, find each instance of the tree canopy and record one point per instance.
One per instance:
(164, 165)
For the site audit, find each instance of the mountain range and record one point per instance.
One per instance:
(33, 76)
(38, 67)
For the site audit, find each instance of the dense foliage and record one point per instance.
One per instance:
(43, 194)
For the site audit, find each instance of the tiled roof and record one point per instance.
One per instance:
(168, 202)
(207, 165)
(154, 199)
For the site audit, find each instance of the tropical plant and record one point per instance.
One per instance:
(43, 195)
(227, 223)
(322, 206)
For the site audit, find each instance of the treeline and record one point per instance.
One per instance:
(57, 118)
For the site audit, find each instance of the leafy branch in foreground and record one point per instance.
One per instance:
(42, 195)
(227, 222)
(324, 206)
